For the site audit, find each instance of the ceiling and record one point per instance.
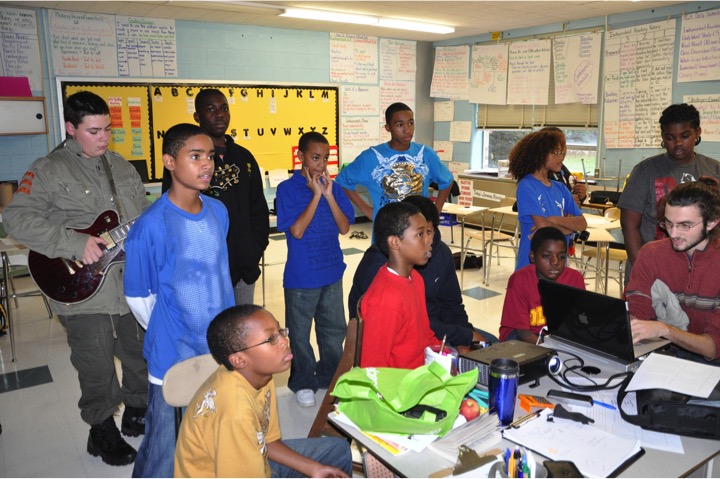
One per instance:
(469, 18)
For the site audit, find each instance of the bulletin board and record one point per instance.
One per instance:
(267, 119)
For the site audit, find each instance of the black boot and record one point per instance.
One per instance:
(133, 421)
(105, 441)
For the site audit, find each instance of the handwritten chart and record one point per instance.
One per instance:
(94, 45)
(19, 47)
(450, 73)
(488, 74)
(577, 68)
(699, 58)
(353, 58)
(709, 108)
(398, 59)
(529, 73)
(146, 47)
(638, 83)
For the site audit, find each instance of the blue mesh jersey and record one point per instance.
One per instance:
(177, 279)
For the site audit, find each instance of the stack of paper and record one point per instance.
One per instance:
(480, 434)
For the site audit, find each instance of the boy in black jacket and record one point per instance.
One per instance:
(442, 289)
(238, 184)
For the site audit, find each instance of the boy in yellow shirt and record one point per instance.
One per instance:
(231, 427)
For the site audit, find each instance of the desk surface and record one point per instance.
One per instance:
(654, 463)
(455, 209)
(593, 221)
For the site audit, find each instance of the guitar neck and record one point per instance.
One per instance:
(119, 233)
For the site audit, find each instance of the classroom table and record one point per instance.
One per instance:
(654, 463)
(461, 212)
(8, 245)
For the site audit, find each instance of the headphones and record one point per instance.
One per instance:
(563, 373)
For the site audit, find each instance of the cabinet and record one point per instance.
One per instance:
(22, 116)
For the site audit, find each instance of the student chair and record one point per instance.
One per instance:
(350, 359)
(182, 381)
(495, 237)
(613, 252)
(18, 267)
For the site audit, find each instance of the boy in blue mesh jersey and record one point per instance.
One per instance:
(177, 280)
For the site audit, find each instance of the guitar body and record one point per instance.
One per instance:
(67, 281)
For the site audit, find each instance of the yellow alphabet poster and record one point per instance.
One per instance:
(268, 120)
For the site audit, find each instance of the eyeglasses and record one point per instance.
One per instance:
(668, 226)
(559, 152)
(273, 340)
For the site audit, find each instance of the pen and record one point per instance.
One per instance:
(525, 419)
(604, 404)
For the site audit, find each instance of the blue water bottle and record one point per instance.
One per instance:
(503, 388)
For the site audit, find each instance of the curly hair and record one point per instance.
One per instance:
(228, 332)
(706, 198)
(680, 113)
(530, 153)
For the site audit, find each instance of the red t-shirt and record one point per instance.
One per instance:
(523, 308)
(396, 325)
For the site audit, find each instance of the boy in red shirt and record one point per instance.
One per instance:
(522, 316)
(397, 328)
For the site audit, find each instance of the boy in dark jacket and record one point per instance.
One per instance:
(442, 290)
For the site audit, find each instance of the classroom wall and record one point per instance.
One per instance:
(608, 159)
(216, 51)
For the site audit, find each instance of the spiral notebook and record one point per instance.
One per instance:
(594, 451)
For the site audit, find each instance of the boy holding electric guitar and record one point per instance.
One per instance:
(72, 209)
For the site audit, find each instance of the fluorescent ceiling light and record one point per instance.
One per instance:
(328, 16)
(341, 17)
(417, 26)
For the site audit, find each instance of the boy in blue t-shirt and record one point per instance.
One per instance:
(177, 280)
(397, 169)
(312, 210)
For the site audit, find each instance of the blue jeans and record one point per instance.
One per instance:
(156, 454)
(326, 306)
(489, 337)
(331, 451)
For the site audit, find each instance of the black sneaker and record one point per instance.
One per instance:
(133, 421)
(105, 441)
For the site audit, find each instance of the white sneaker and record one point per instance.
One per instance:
(305, 398)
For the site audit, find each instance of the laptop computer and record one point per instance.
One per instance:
(594, 322)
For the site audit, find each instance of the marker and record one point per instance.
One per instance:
(604, 404)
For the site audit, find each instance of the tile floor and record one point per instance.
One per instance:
(42, 433)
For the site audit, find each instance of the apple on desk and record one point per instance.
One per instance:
(470, 409)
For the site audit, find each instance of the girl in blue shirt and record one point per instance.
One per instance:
(541, 201)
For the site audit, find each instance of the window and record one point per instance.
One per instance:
(497, 144)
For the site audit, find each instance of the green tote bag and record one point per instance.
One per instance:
(425, 400)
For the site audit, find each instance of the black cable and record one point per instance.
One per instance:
(562, 379)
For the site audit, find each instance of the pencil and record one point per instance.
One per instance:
(442, 346)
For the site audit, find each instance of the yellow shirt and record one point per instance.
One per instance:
(226, 429)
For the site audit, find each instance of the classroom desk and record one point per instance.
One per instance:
(8, 245)
(461, 212)
(654, 463)
(603, 238)
(601, 207)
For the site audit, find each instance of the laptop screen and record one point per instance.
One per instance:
(593, 320)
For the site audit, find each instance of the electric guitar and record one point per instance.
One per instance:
(71, 281)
